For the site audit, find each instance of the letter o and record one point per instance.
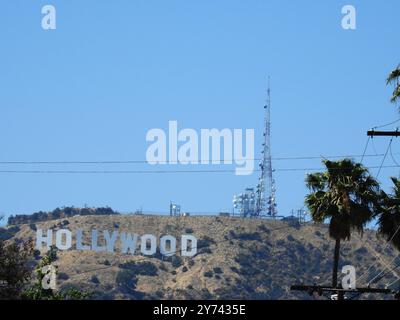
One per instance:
(163, 246)
(68, 239)
(153, 245)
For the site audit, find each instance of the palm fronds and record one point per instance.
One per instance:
(394, 78)
(389, 215)
(345, 194)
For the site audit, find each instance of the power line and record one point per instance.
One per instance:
(330, 157)
(172, 171)
(380, 276)
(386, 125)
(365, 149)
(388, 242)
(391, 155)
(391, 284)
(158, 162)
(373, 147)
(376, 263)
(119, 171)
(384, 158)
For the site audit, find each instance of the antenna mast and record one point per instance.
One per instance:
(266, 202)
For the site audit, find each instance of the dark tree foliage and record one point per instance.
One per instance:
(126, 281)
(52, 254)
(37, 292)
(140, 268)
(389, 215)
(14, 268)
(95, 279)
(176, 262)
(58, 213)
(208, 274)
(394, 78)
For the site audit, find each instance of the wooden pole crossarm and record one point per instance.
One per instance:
(373, 133)
(331, 289)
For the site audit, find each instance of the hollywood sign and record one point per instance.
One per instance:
(129, 243)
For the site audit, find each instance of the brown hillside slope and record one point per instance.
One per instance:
(237, 258)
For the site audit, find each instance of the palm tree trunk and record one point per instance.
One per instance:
(336, 267)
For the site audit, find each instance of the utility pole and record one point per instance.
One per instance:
(339, 293)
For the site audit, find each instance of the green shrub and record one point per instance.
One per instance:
(361, 251)
(51, 255)
(208, 274)
(255, 236)
(176, 262)
(95, 279)
(141, 268)
(205, 242)
(217, 270)
(62, 276)
(263, 228)
(36, 254)
(163, 267)
(235, 270)
(106, 262)
(126, 281)
(280, 242)
(290, 238)
(205, 294)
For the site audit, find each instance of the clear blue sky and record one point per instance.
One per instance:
(90, 91)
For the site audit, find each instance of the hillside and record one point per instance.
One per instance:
(237, 258)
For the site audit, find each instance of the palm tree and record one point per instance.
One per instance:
(389, 215)
(345, 194)
(394, 77)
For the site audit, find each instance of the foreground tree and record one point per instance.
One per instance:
(389, 215)
(15, 270)
(345, 194)
(394, 78)
(38, 292)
